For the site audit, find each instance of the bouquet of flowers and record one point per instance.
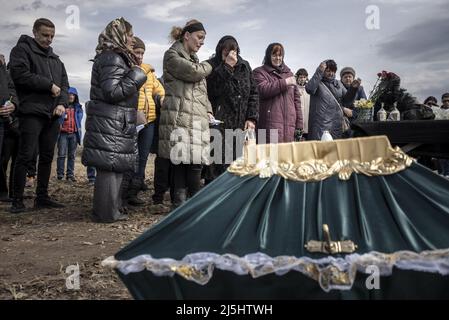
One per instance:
(365, 110)
(364, 104)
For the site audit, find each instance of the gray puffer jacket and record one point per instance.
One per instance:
(110, 143)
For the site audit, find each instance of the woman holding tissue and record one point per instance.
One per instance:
(233, 94)
(280, 104)
(184, 135)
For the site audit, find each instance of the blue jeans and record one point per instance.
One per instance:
(66, 148)
(144, 142)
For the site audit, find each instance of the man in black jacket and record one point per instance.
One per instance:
(41, 83)
(8, 99)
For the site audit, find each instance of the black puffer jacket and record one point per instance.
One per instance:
(110, 143)
(232, 92)
(34, 70)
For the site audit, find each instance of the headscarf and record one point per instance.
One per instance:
(267, 59)
(114, 37)
(216, 60)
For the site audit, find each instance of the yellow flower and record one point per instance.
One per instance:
(364, 104)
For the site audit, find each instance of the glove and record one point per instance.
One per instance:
(298, 135)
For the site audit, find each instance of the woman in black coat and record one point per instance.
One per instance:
(110, 143)
(232, 92)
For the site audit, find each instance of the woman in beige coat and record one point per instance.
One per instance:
(186, 112)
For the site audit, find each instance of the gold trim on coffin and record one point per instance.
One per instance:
(316, 161)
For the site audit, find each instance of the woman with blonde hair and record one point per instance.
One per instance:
(186, 111)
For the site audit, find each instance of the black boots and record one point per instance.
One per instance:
(180, 196)
(47, 203)
(134, 188)
(17, 206)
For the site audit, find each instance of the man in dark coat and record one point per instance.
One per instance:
(41, 83)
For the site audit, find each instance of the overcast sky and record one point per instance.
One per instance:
(412, 39)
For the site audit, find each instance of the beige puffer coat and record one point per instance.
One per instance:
(185, 108)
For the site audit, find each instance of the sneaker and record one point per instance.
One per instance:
(30, 182)
(17, 207)
(47, 203)
(72, 179)
(60, 178)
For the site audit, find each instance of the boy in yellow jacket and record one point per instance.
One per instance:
(147, 114)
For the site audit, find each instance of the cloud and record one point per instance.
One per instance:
(255, 24)
(181, 10)
(419, 43)
(165, 12)
(12, 26)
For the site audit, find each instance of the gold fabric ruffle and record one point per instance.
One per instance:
(316, 161)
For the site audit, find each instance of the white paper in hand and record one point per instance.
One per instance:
(140, 127)
(215, 122)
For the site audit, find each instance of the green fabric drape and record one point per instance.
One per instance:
(241, 215)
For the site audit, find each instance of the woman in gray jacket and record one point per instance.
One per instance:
(186, 111)
(328, 97)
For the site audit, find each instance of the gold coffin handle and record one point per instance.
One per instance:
(330, 247)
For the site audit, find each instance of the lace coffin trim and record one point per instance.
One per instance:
(331, 273)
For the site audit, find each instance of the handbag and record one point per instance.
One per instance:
(346, 123)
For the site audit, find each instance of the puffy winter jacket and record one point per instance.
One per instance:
(34, 70)
(185, 106)
(148, 92)
(7, 90)
(110, 143)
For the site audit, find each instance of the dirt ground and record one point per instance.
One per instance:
(37, 247)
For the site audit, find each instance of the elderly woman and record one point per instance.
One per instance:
(110, 143)
(329, 100)
(186, 111)
(233, 94)
(280, 105)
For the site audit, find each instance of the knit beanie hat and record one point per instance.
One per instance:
(347, 70)
(139, 44)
